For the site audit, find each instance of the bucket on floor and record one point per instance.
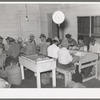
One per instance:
(14, 75)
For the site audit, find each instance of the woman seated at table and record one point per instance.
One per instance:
(72, 43)
(81, 44)
(64, 56)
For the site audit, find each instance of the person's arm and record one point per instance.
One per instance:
(90, 48)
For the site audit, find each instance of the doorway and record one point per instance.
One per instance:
(53, 29)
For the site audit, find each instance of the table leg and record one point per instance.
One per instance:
(54, 77)
(22, 72)
(66, 79)
(96, 72)
(38, 80)
(98, 69)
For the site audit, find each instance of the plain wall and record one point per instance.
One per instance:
(13, 22)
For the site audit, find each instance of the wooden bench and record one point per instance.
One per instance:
(67, 71)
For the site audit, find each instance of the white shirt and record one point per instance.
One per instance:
(52, 51)
(95, 48)
(64, 56)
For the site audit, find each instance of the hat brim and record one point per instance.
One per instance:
(42, 36)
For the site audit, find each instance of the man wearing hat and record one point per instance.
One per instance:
(30, 45)
(43, 44)
(94, 46)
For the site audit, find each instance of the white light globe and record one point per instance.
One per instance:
(58, 17)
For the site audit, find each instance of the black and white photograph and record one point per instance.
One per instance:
(48, 46)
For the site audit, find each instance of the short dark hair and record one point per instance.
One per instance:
(12, 40)
(92, 39)
(42, 35)
(49, 40)
(80, 38)
(68, 36)
(8, 38)
(54, 41)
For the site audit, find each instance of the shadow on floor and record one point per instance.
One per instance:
(30, 82)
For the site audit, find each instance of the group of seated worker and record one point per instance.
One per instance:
(54, 48)
(60, 50)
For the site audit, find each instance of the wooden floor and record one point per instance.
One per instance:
(30, 82)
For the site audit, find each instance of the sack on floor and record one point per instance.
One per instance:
(3, 73)
(77, 77)
(45, 79)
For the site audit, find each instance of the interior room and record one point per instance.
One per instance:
(21, 21)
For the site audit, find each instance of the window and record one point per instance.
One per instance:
(83, 25)
(89, 26)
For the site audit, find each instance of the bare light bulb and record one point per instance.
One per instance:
(27, 18)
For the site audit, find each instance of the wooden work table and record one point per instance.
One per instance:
(86, 59)
(38, 64)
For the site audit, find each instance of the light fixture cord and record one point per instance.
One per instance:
(26, 9)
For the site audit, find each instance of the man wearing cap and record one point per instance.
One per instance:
(30, 46)
(43, 44)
